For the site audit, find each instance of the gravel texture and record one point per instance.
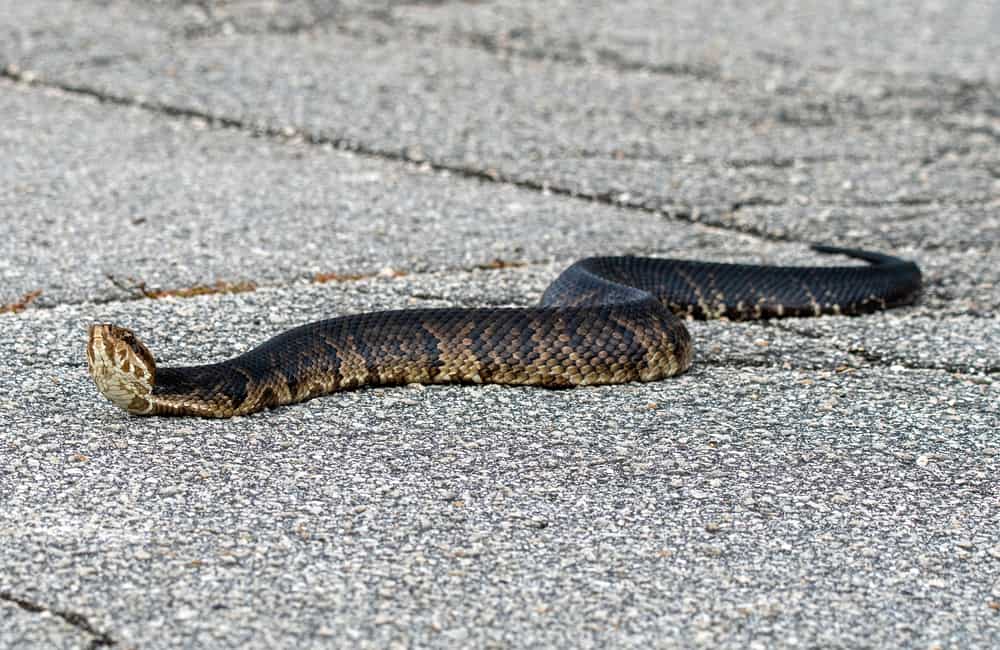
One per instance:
(210, 174)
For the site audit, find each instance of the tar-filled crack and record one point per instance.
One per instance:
(345, 144)
(422, 295)
(952, 94)
(737, 364)
(571, 53)
(901, 202)
(134, 289)
(661, 206)
(872, 358)
(866, 358)
(877, 359)
(79, 621)
(773, 162)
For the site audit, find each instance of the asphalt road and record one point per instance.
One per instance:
(210, 174)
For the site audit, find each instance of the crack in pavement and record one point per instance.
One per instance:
(21, 303)
(877, 359)
(139, 289)
(800, 116)
(959, 90)
(79, 621)
(870, 359)
(12, 73)
(901, 202)
(615, 198)
(776, 162)
(499, 45)
(136, 289)
(959, 94)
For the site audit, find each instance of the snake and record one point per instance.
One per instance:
(603, 320)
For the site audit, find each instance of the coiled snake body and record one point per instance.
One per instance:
(604, 320)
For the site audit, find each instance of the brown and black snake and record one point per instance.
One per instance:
(604, 320)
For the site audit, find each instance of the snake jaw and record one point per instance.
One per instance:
(122, 367)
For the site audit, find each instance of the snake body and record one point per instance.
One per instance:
(604, 320)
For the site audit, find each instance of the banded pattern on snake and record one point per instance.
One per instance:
(604, 320)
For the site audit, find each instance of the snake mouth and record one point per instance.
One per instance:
(121, 366)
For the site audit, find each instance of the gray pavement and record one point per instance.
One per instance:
(214, 173)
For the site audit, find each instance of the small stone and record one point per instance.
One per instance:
(185, 614)
(703, 637)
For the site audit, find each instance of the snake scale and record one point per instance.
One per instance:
(604, 320)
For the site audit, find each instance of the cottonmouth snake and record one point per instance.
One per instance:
(604, 320)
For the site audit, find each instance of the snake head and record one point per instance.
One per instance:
(122, 367)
